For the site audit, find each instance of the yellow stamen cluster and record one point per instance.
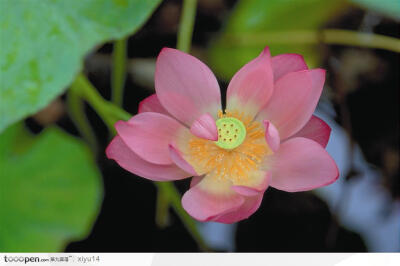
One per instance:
(233, 164)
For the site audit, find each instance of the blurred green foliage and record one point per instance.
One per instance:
(43, 44)
(390, 8)
(258, 16)
(50, 190)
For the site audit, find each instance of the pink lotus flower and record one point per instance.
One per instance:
(267, 135)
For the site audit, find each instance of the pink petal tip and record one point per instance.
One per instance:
(271, 135)
(204, 127)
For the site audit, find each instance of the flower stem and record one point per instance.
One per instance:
(328, 36)
(76, 110)
(118, 71)
(162, 209)
(370, 40)
(186, 25)
(86, 90)
(172, 193)
(111, 113)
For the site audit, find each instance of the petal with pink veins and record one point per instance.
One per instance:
(178, 159)
(130, 161)
(249, 207)
(210, 198)
(294, 100)
(315, 129)
(252, 86)
(152, 104)
(149, 134)
(285, 63)
(185, 86)
(271, 135)
(204, 127)
(301, 164)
